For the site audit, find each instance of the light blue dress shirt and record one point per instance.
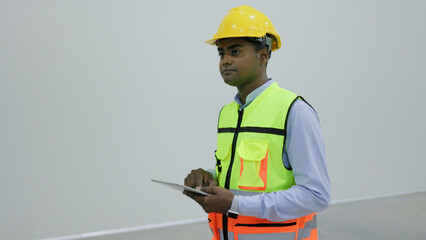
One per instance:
(304, 152)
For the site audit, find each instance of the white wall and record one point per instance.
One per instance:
(98, 97)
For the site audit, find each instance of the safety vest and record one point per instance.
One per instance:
(250, 145)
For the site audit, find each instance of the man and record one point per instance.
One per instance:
(270, 177)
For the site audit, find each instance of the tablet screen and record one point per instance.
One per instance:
(181, 187)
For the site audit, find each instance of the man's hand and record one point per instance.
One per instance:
(219, 202)
(199, 178)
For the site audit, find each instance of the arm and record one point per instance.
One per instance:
(305, 153)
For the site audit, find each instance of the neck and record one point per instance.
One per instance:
(245, 90)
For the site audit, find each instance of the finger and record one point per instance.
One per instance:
(198, 198)
(186, 181)
(190, 180)
(199, 180)
(209, 180)
(212, 182)
(206, 180)
(211, 190)
(189, 194)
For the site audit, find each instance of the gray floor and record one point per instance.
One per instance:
(402, 217)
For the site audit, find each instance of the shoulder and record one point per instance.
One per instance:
(277, 90)
(300, 104)
(229, 108)
(232, 105)
(279, 97)
(302, 111)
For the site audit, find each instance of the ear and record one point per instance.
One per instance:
(263, 56)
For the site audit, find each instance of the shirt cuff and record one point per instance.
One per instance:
(234, 206)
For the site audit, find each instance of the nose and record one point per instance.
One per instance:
(226, 60)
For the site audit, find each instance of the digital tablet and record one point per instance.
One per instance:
(181, 187)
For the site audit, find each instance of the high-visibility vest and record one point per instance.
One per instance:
(250, 145)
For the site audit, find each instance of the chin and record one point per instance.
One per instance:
(230, 82)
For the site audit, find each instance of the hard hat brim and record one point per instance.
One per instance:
(275, 45)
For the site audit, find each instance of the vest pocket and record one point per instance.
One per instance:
(254, 160)
(266, 231)
(222, 155)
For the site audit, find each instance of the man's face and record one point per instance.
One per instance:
(239, 63)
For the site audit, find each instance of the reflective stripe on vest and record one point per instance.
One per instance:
(245, 228)
(249, 161)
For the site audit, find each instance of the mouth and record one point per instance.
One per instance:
(227, 71)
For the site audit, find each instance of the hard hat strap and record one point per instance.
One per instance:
(266, 40)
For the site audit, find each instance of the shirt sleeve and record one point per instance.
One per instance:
(305, 153)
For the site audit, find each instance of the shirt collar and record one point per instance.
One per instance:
(254, 94)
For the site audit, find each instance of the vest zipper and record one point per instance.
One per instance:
(228, 173)
(234, 146)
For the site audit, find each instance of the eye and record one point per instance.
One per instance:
(221, 54)
(235, 52)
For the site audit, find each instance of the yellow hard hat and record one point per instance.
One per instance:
(246, 21)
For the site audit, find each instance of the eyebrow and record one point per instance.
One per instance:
(230, 47)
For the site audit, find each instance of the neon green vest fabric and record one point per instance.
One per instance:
(250, 143)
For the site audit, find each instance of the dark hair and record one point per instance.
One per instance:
(259, 45)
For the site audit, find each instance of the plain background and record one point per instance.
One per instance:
(98, 97)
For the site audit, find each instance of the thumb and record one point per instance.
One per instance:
(211, 190)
